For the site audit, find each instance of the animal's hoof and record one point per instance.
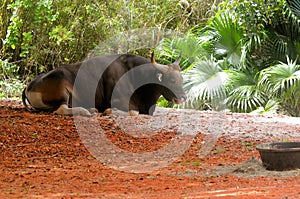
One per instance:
(93, 111)
(81, 111)
(64, 110)
(107, 112)
(133, 113)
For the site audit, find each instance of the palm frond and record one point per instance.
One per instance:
(282, 82)
(292, 8)
(205, 82)
(271, 107)
(280, 78)
(281, 42)
(245, 99)
(189, 46)
(276, 46)
(228, 36)
(256, 40)
(243, 93)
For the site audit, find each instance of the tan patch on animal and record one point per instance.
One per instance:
(65, 110)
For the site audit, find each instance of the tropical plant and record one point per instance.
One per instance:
(243, 93)
(205, 85)
(271, 107)
(246, 50)
(10, 83)
(282, 33)
(228, 37)
(191, 46)
(43, 34)
(212, 81)
(282, 82)
(227, 77)
(47, 33)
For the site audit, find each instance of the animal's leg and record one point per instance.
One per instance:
(48, 91)
(35, 99)
(110, 111)
(65, 110)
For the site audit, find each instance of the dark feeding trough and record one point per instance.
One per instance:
(280, 156)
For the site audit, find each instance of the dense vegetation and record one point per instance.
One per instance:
(245, 59)
(240, 55)
(37, 36)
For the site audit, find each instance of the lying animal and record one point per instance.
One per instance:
(126, 82)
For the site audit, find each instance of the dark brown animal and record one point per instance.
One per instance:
(125, 82)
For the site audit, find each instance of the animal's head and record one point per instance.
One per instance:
(171, 80)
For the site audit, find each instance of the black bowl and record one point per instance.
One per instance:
(280, 156)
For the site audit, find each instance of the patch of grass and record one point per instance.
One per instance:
(285, 140)
(220, 150)
(196, 163)
(248, 144)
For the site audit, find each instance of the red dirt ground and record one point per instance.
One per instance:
(42, 156)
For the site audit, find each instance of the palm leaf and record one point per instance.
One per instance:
(228, 37)
(282, 81)
(245, 99)
(282, 41)
(292, 8)
(205, 82)
(190, 46)
(280, 78)
(283, 36)
(243, 93)
(271, 107)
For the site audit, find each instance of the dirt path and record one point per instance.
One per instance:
(174, 154)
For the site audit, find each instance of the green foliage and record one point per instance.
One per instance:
(211, 82)
(256, 15)
(205, 85)
(41, 34)
(162, 102)
(247, 38)
(237, 57)
(245, 98)
(10, 85)
(192, 48)
(281, 33)
(292, 8)
(228, 37)
(271, 107)
(243, 94)
(282, 82)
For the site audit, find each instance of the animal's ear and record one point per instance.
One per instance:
(159, 76)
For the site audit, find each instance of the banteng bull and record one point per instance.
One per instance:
(125, 82)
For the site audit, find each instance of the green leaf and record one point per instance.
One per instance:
(282, 82)
(205, 82)
(228, 37)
